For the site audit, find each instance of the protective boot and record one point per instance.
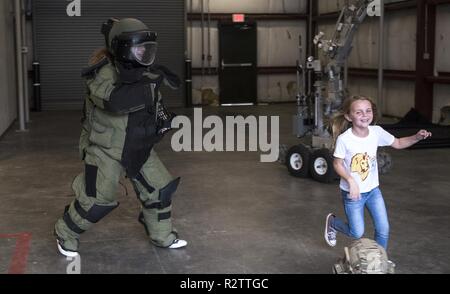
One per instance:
(67, 241)
(154, 187)
(176, 243)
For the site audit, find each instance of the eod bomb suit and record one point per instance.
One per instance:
(124, 117)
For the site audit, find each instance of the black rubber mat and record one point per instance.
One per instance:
(412, 123)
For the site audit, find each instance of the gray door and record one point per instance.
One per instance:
(64, 44)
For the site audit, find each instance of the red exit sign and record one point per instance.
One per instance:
(238, 17)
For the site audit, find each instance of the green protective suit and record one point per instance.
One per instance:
(119, 130)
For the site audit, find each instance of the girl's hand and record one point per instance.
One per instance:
(354, 194)
(422, 135)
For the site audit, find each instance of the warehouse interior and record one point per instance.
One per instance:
(239, 215)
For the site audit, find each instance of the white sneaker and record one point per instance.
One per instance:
(66, 252)
(330, 232)
(178, 243)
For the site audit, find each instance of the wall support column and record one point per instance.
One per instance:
(426, 31)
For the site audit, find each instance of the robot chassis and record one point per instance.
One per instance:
(316, 160)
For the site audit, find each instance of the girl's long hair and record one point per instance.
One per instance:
(98, 55)
(340, 124)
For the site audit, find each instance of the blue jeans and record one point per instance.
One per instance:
(354, 211)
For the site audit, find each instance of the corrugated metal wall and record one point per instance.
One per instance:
(65, 43)
(8, 97)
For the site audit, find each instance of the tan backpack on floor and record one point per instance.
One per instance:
(364, 256)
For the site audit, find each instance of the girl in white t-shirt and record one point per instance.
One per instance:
(355, 161)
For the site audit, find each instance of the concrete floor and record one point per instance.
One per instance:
(239, 215)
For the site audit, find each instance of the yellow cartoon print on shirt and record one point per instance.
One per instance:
(360, 164)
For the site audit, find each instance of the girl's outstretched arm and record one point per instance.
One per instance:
(406, 142)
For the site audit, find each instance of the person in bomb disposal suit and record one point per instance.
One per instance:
(124, 117)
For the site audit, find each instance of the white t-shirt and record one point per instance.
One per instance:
(360, 156)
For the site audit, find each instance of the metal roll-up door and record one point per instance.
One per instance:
(64, 44)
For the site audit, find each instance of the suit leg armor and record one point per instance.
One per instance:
(155, 187)
(96, 196)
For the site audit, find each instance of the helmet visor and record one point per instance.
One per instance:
(144, 53)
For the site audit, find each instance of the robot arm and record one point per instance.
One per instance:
(331, 76)
(339, 47)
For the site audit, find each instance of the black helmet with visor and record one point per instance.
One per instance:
(131, 41)
(137, 47)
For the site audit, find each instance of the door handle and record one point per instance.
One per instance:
(236, 64)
